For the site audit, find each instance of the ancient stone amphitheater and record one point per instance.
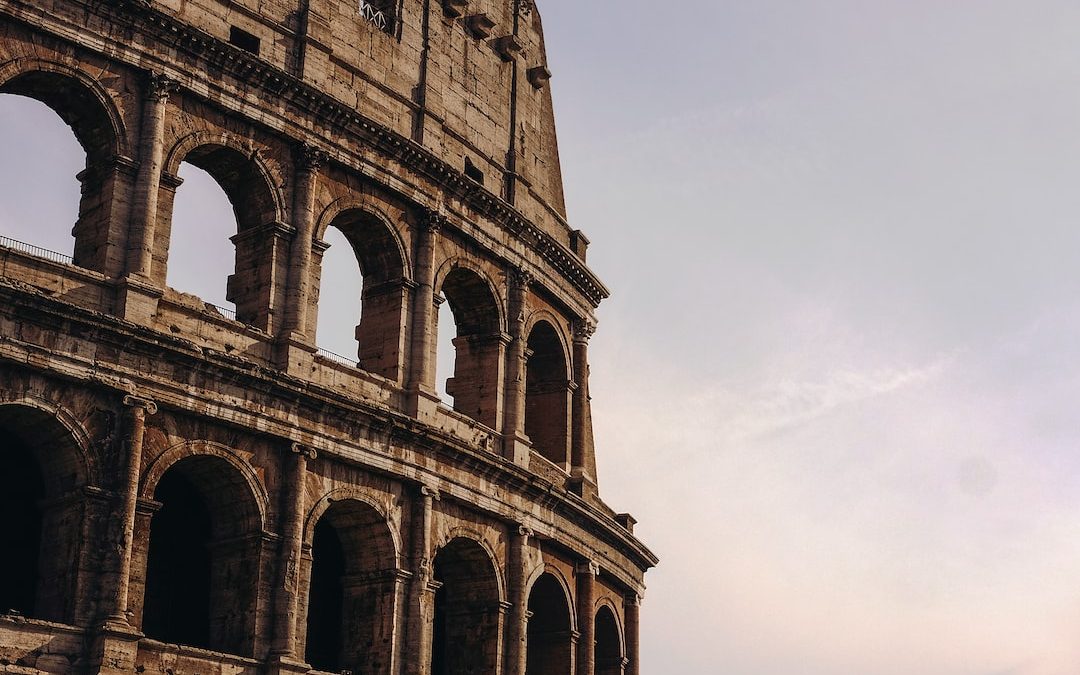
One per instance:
(192, 490)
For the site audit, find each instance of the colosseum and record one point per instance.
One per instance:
(196, 489)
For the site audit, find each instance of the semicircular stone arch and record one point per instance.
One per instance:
(479, 340)
(43, 460)
(550, 630)
(379, 254)
(261, 240)
(466, 635)
(91, 112)
(351, 580)
(548, 391)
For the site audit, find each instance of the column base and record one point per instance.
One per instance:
(517, 448)
(115, 648)
(137, 299)
(295, 354)
(582, 485)
(285, 664)
(422, 404)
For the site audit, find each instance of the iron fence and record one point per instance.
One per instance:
(36, 251)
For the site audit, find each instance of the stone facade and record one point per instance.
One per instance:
(189, 491)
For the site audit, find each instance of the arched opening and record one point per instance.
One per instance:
(202, 561)
(39, 464)
(547, 395)
(377, 340)
(609, 651)
(352, 591)
(341, 301)
(200, 263)
(478, 346)
(550, 640)
(326, 601)
(43, 207)
(468, 614)
(20, 518)
(208, 234)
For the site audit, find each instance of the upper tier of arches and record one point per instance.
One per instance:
(285, 198)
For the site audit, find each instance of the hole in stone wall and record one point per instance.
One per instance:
(40, 159)
(244, 40)
(473, 172)
(201, 257)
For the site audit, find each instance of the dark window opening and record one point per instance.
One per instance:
(326, 600)
(20, 525)
(244, 40)
(467, 613)
(473, 172)
(177, 605)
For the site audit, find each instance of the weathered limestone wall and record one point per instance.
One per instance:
(321, 497)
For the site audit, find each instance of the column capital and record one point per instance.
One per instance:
(428, 491)
(138, 402)
(525, 7)
(632, 599)
(589, 567)
(304, 451)
(524, 531)
(522, 279)
(432, 221)
(584, 329)
(159, 86)
(310, 158)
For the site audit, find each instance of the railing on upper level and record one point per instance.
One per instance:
(36, 251)
(337, 358)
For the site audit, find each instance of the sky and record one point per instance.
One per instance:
(837, 381)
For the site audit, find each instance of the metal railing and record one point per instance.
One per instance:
(224, 311)
(36, 251)
(373, 14)
(337, 358)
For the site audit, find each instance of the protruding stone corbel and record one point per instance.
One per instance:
(480, 25)
(508, 47)
(538, 76)
(454, 8)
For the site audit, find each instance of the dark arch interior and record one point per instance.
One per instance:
(477, 347)
(549, 635)
(177, 605)
(203, 558)
(352, 588)
(547, 396)
(465, 635)
(326, 600)
(608, 643)
(20, 525)
(39, 464)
